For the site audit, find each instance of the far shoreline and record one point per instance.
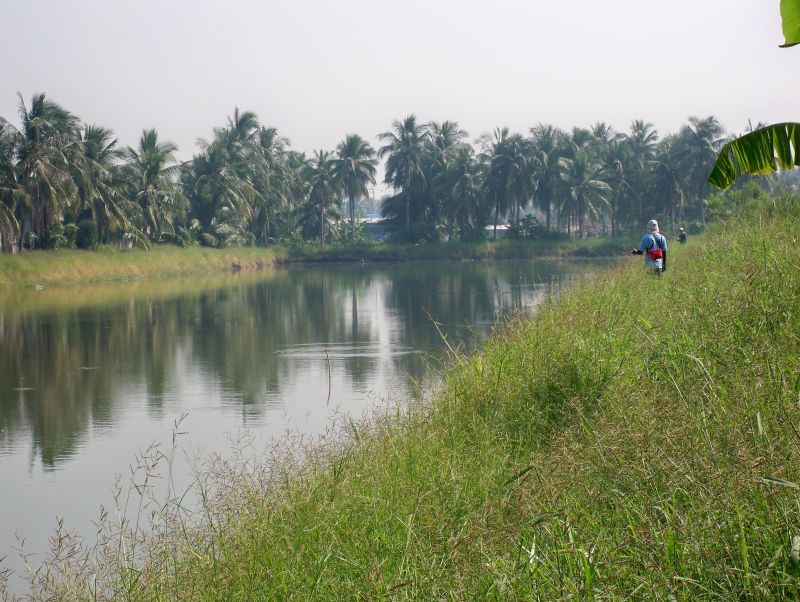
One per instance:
(72, 267)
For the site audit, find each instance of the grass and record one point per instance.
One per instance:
(68, 267)
(638, 438)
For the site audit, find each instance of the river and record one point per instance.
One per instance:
(90, 376)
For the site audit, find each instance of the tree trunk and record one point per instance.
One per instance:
(673, 217)
(548, 215)
(322, 227)
(613, 223)
(641, 210)
(496, 211)
(352, 216)
(516, 213)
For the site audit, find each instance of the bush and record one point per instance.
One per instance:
(62, 235)
(418, 233)
(736, 202)
(87, 236)
(182, 237)
(528, 228)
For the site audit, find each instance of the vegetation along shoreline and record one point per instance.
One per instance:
(68, 267)
(65, 183)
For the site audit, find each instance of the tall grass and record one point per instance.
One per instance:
(637, 438)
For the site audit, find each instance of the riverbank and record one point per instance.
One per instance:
(66, 267)
(638, 437)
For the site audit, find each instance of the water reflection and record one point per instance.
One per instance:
(73, 360)
(89, 376)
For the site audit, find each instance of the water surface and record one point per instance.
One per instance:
(91, 375)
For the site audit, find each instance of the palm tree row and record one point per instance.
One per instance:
(247, 186)
(587, 179)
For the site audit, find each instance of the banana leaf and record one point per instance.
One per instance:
(790, 16)
(766, 150)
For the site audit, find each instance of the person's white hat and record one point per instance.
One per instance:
(652, 226)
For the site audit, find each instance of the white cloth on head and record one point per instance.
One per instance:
(652, 226)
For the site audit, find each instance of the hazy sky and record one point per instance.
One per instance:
(320, 70)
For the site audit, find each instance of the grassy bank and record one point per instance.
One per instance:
(638, 438)
(482, 250)
(68, 267)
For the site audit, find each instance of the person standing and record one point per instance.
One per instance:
(654, 249)
(682, 236)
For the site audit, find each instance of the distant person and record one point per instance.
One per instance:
(654, 249)
(682, 236)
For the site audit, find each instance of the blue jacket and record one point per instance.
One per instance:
(649, 241)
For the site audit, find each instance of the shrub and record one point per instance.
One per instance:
(528, 228)
(87, 236)
(736, 202)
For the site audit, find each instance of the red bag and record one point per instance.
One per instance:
(655, 251)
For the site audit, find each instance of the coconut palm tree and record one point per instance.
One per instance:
(404, 150)
(700, 140)
(95, 176)
(323, 191)
(460, 187)
(243, 130)
(547, 146)
(217, 195)
(445, 140)
(642, 142)
(354, 168)
(616, 169)
(270, 180)
(496, 178)
(45, 146)
(150, 174)
(668, 181)
(511, 172)
(295, 189)
(10, 193)
(587, 191)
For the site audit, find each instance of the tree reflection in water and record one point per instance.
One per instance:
(261, 339)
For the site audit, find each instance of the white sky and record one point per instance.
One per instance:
(320, 70)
